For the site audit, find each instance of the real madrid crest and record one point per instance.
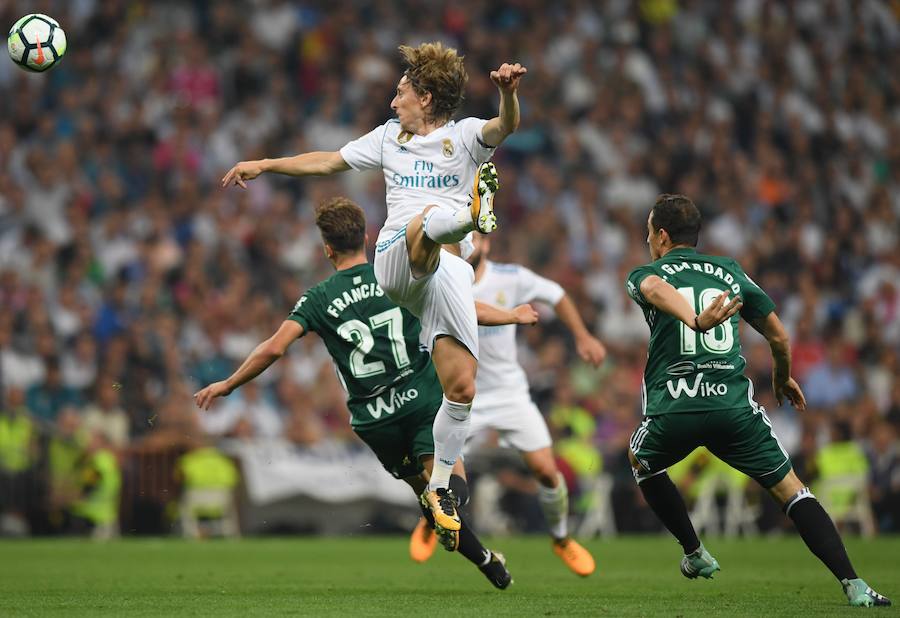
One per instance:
(404, 137)
(501, 298)
(448, 148)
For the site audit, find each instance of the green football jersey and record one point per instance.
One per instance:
(374, 345)
(689, 371)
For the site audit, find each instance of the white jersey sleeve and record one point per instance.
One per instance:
(533, 287)
(473, 140)
(365, 153)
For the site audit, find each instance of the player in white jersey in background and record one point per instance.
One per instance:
(504, 403)
(440, 187)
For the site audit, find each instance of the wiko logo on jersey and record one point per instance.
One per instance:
(698, 389)
(395, 402)
(423, 177)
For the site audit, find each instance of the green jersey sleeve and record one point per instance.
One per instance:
(633, 283)
(304, 312)
(757, 303)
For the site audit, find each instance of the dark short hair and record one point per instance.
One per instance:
(677, 215)
(342, 224)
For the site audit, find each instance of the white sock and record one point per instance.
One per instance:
(450, 430)
(555, 505)
(446, 227)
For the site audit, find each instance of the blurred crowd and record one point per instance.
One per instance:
(129, 277)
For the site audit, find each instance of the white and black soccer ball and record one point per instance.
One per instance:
(36, 43)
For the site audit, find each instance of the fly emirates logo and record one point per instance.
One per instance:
(698, 389)
(424, 176)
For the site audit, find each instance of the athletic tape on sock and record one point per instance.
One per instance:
(554, 503)
(457, 411)
(797, 497)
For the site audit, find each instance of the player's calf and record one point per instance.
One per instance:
(666, 502)
(821, 537)
(494, 568)
(423, 251)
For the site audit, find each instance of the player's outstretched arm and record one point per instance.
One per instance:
(259, 360)
(506, 78)
(489, 315)
(783, 384)
(589, 348)
(308, 164)
(665, 297)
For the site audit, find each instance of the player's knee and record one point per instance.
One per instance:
(633, 460)
(461, 390)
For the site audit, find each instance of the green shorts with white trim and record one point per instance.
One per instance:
(743, 438)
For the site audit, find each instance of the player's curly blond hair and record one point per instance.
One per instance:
(433, 68)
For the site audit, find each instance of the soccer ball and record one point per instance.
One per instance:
(36, 43)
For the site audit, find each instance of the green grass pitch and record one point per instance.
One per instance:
(373, 576)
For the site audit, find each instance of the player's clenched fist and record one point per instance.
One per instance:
(591, 350)
(525, 314)
(245, 170)
(507, 76)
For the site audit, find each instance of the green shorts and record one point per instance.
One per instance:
(400, 443)
(744, 439)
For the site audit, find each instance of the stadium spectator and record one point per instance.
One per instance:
(46, 400)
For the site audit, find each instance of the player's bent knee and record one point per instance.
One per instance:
(461, 391)
(786, 488)
(633, 460)
(639, 471)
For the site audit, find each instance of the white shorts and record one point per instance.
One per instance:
(443, 301)
(518, 422)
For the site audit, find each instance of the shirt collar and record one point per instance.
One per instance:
(681, 251)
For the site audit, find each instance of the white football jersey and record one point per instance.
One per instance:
(438, 168)
(506, 285)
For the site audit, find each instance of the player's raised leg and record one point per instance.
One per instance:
(822, 538)
(553, 496)
(435, 226)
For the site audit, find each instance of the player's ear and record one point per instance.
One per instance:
(425, 100)
(664, 239)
